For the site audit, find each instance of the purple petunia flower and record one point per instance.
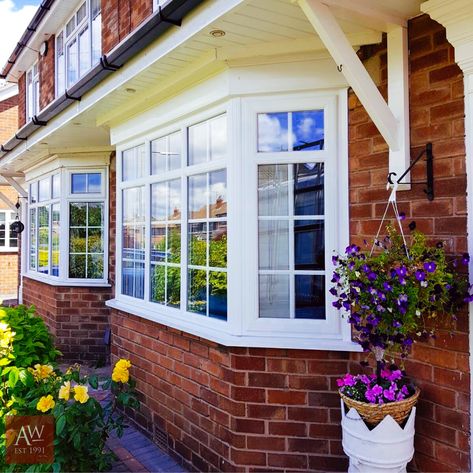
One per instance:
(372, 276)
(420, 275)
(430, 266)
(335, 277)
(401, 272)
(387, 287)
(334, 260)
(465, 258)
(402, 215)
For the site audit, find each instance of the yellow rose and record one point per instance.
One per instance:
(65, 391)
(81, 394)
(45, 403)
(120, 372)
(41, 372)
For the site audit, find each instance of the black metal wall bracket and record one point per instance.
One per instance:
(429, 182)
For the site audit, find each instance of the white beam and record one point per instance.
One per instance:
(16, 186)
(8, 202)
(398, 99)
(352, 68)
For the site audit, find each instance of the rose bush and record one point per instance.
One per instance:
(82, 424)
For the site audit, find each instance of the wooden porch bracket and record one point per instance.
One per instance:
(391, 120)
(16, 185)
(8, 202)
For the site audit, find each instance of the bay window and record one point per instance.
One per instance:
(8, 237)
(67, 226)
(78, 45)
(228, 221)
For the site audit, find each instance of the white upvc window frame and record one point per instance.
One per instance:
(157, 311)
(67, 40)
(65, 198)
(157, 4)
(10, 217)
(32, 91)
(243, 327)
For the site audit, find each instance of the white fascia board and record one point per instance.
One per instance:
(196, 21)
(7, 91)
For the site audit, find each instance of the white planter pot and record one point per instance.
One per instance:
(387, 448)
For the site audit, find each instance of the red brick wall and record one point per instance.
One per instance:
(47, 75)
(230, 409)
(121, 17)
(440, 367)
(245, 409)
(21, 100)
(76, 316)
(8, 118)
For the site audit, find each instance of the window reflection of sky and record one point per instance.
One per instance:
(306, 134)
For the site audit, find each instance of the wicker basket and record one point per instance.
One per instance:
(373, 414)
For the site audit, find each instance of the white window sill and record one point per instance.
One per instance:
(8, 250)
(231, 340)
(53, 281)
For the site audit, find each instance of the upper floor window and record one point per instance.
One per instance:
(67, 225)
(78, 45)
(157, 4)
(32, 91)
(8, 237)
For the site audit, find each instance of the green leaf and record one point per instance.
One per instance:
(60, 424)
(13, 377)
(94, 381)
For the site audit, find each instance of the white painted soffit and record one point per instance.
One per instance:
(258, 28)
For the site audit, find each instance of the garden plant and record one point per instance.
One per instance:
(32, 384)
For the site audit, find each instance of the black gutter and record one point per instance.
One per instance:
(171, 14)
(24, 40)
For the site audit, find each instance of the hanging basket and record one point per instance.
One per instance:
(373, 414)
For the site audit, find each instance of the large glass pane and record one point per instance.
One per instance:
(33, 241)
(218, 244)
(77, 267)
(158, 283)
(218, 295)
(133, 240)
(95, 266)
(273, 190)
(309, 244)
(310, 297)
(43, 240)
(78, 214)
(78, 240)
(95, 214)
(79, 183)
(96, 34)
(81, 13)
(158, 201)
(198, 196)
(175, 141)
(34, 193)
(133, 163)
(218, 138)
(197, 241)
(174, 244)
(55, 229)
(197, 292)
(158, 155)
(174, 200)
(173, 287)
(158, 242)
(308, 130)
(72, 63)
(84, 51)
(56, 186)
(273, 239)
(44, 189)
(94, 183)
(309, 189)
(273, 132)
(95, 240)
(218, 194)
(198, 143)
(274, 296)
